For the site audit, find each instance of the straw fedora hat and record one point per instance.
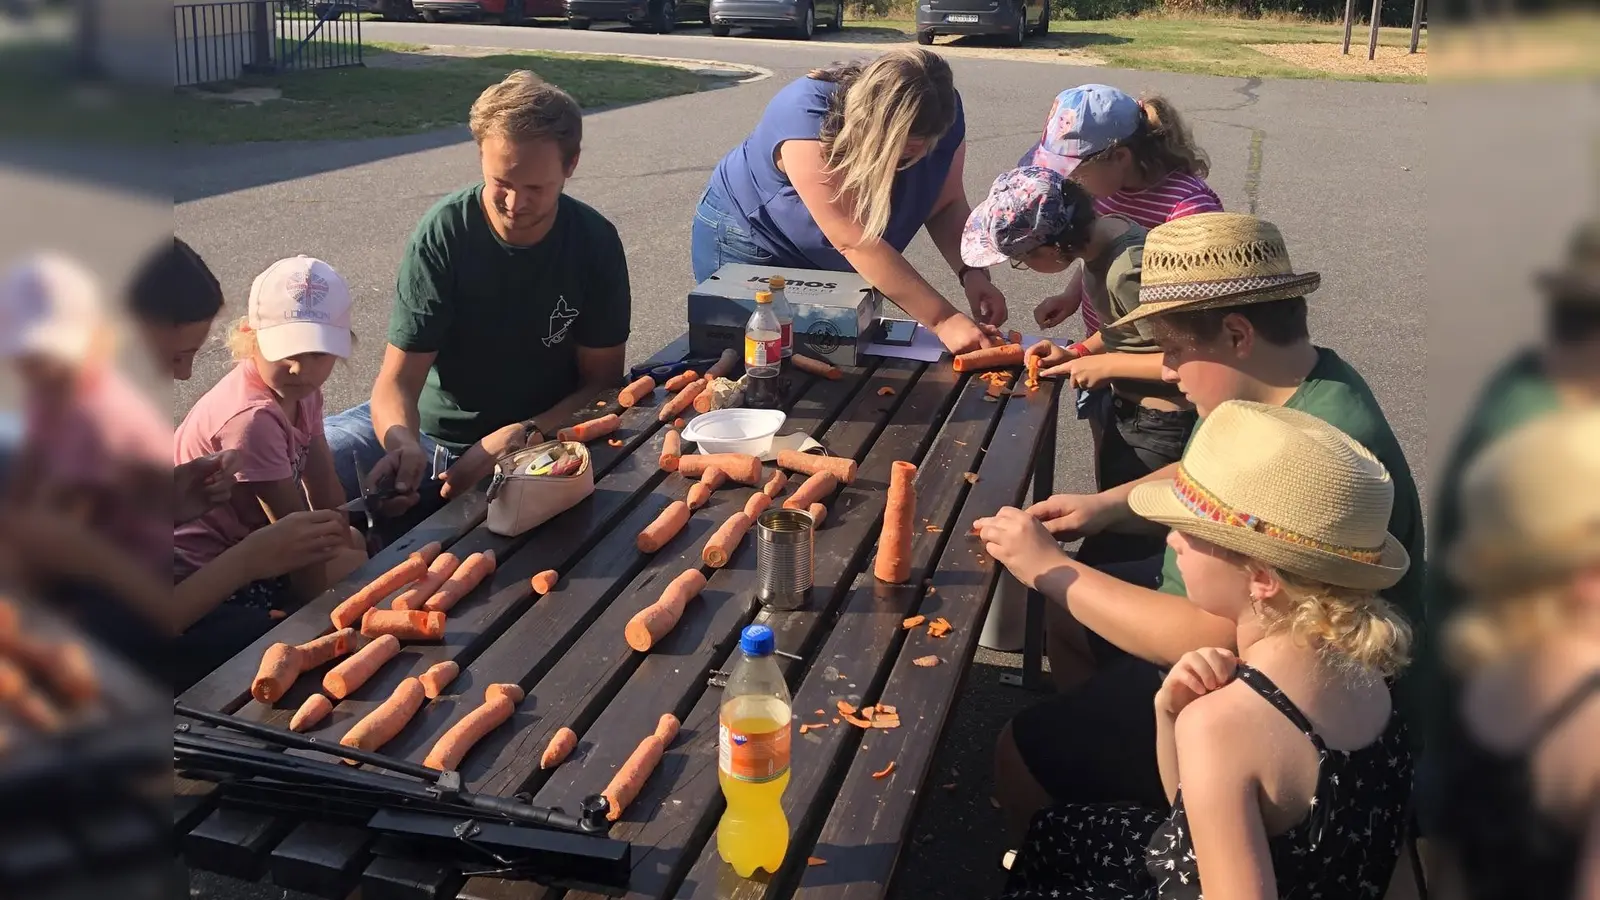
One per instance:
(1529, 509)
(1214, 260)
(1286, 488)
(1579, 278)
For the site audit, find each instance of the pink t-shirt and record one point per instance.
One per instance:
(241, 413)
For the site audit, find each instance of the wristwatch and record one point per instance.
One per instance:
(961, 274)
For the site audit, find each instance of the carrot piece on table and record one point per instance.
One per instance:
(714, 478)
(699, 495)
(840, 467)
(681, 380)
(561, 745)
(615, 442)
(1002, 357)
(428, 552)
(638, 390)
(664, 528)
(351, 674)
(583, 432)
(678, 423)
(846, 709)
(723, 366)
(1033, 372)
(719, 549)
(350, 611)
(671, 450)
(680, 401)
(756, 505)
(629, 780)
(775, 484)
(702, 403)
(314, 710)
(499, 702)
(740, 467)
(439, 571)
(816, 861)
(545, 582)
(811, 491)
(283, 663)
(655, 621)
(997, 388)
(886, 391)
(471, 573)
(380, 726)
(894, 542)
(816, 367)
(884, 772)
(438, 677)
(913, 622)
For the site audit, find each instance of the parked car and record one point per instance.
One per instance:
(1013, 20)
(800, 18)
(508, 12)
(659, 16)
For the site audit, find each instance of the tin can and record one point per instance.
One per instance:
(784, 542)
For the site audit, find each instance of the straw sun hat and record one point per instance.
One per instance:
(1212, 260)
(1285, 488)
(1579, 278)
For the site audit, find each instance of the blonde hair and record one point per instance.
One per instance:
(1162, 143)
(879, 107)
(241, 340)
(524, 107)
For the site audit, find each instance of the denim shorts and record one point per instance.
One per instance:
(720, 237)
(1136, 440)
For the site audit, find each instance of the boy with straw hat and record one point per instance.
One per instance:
(1228, 310)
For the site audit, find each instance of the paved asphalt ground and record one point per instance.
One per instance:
(1338, 166)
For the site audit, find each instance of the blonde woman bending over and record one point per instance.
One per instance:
(1285, 765)
(845, 167)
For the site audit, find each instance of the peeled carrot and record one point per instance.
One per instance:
(1033, 372)
(629, 780)
(671, 450)
(726, 539)
(471, 573)
(283, 663)
(633, 393)
(894, 542)
(724, 364)
(681, 380)
(594, 429)
(428, 552)
(818, 513)
(775, 484)
(741, 467)
(702, 403)
(545, 582)
(699, 495)
(499, 702)
(439, 571)
(756, 505)
(841, 467)
(380, 726)
(350, 611)
(714, 478)
(314, 710)
(438, 677)
(664, 528)
(812, 490)
(405, 624)
(655, 621)
(562, 743)
(680, 402)
(1001, 357)
(351, 674)
(816, 367)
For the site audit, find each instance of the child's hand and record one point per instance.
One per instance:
(1198, 673)
(1019, 542)
(1051, 355)
(299, 539)
(1052, 311)
(1086, 372)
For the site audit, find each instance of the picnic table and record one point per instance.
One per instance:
(975, 452)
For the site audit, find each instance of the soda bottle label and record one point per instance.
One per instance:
(762, 353)
(756, 757)
(788, 338)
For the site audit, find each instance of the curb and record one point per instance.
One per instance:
(707, 67)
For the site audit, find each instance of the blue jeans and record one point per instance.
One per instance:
(351, 438)
(720, 237)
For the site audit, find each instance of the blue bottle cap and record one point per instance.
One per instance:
(757, 640)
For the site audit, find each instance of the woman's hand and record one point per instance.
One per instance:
(1019, 542)
(1087, 372)
(960, 334)
(987, 302)
(1197, 673)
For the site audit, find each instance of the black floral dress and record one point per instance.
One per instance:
(1345, 848)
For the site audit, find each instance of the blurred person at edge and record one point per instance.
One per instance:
(1517, 808)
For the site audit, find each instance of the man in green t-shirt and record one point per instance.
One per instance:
(1220, 297)
(511, 310)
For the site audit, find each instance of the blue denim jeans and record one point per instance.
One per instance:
(351, 438)
(720, 237)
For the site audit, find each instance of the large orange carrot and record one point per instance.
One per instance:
(816, 367)
(653, 623)
(342, 680)
(629, 780)
(1033, 372)
(702, 403)
(894, 542)
(664, 528)
(283, 663)
(741, 467)
(756, 505)
(562, 743)
(638, 390)
(350, 611)
(439, 571)
(380, 726)
(671, 450)
(775, 484)
(714, 478)
(427, 552)
(314, 710)
(818, 513)
(593, 429)
(1002, 357)
(699, 495)
(499, 702)
(545, 582)
(840, 467)
(681, 380)
(814, 489)
(471, 573)
(724, 365)
(680, 402)
(438, 677)
(726, 539)
(405, 624)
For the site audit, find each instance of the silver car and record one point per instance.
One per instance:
(799, 18)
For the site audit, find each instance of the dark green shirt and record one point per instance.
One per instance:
(1111, 282)
(505, 321)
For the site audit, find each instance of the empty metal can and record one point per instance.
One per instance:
(784, 541)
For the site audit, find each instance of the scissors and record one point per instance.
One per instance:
(371, 497)
(663, 372)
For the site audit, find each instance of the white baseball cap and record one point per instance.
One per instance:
(300, 305)
(49, 305)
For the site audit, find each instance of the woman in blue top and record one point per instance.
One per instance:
(845, 166)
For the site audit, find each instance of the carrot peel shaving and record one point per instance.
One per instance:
(885, 772)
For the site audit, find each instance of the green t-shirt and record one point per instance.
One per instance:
(505, 321)
(1111, 282)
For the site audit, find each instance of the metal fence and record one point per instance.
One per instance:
(225, 40)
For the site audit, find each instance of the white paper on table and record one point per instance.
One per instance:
(798, 441)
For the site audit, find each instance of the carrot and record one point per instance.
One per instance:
(664, 528)
(652, 623)
(633, 393)
(594, 429)
(283, 663)
(723, 365)
(756, 505)
(702, 403)
(380, 726)
(350, 611)
(678, 423)
(816, 367)
(545, 582)
(726, 539)
(894, 542)
(713, 478)
(1033, 372)
(471, 573)
(314, 710)
(1001, 357)
(439, 571)
(405, 624)
(1013, 337)
(841, 467)
(681, 380)
(671, 450)
(428, 552)
(499, 702)
(813, 489)
(699, 495)
(438, 677)
(775, 484)
(741, 467)
(351, 674)
(818, 513)
(629, 780)
(561, 745)
(885, 772)
(680, 401)
(998, 387)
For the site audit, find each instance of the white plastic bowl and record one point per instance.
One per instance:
(735, 430)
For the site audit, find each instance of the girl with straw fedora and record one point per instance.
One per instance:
(1285, 764)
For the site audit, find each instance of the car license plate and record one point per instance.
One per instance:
(956, 19)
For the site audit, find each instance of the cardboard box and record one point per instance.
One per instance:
(834, 312)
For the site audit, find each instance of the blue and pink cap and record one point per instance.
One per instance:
(1026, 208)
(1085, 120)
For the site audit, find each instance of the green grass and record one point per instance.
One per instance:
(377, 102)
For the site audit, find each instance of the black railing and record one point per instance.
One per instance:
(226, 40)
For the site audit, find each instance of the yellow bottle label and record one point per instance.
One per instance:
(752, 756)
(762, 353)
